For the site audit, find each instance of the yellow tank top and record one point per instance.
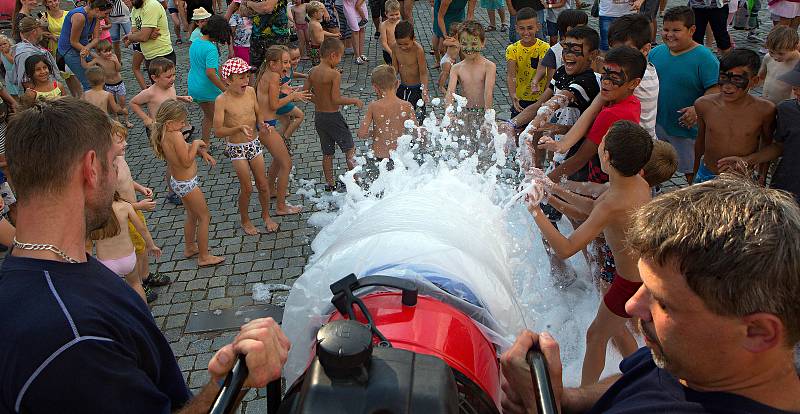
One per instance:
(54, 26)
(54, 94)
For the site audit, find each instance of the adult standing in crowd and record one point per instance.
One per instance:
(79, 34)
(718, 308)
(22, 8)
(204, 83)
(120, 24)
(85, 341)
(712, 13)
(151, 31)
(54, 17)
(270, 26)
(31, 34)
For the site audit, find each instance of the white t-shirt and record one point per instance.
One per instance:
(614, 8)
(647, 92)
(775, 89)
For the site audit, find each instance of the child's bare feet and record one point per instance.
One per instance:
(128, 124)
(209, 260)
(287, 210)
(271, 225)
(190, 250)
(274, 193)
(249, 228)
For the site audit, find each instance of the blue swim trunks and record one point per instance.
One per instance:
(703, 174)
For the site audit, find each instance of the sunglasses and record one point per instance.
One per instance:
(572, 48)
(739, 81)
(614, 77)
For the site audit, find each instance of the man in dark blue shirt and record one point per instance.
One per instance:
(719, 310)
(75, 337)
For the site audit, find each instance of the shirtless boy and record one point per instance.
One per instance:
(98, 96)
(316, 34)
(387, 29)
(108, 61)
(236, 114)
(386, 117)
(162, 73)
(623, 153)
(732, 122)
(324, 82)
(408, 59)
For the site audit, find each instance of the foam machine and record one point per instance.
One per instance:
(394, 351)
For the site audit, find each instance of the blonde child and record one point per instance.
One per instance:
(290, 116)
(299, 12)
(107, 60)
(236, 115)
(276, 65)
(127, 189)
(386, 116)
(316, 34)
(115, 249)
(450, 58)
(168, 143)
(783, 56)
(98, 96)
(7, 59)
(38, 70)
(387, 29)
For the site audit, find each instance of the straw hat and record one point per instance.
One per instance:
(200, 13)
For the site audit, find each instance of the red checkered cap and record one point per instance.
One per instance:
(233, 66)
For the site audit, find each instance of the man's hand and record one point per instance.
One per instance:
(155, 33)
(517, 385)
(265, 348)
(688, 118)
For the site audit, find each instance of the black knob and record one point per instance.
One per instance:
(344, 348)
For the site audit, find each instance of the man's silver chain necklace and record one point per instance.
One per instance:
(42, 246)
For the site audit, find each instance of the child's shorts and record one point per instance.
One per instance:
(619, 293)
(136, 238)
(289, 107)
(242, 52)
(413, 95)
(116, 89)
(333, 130)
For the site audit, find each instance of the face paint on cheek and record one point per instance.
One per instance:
(614, 77)
(470, 44)
(737, 80)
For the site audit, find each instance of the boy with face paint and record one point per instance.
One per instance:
(732, 122)
(475, 73)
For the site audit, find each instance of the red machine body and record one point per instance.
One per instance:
(436, 328)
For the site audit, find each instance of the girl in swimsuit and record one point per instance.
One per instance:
(114, 246)
(276, 65)
(40, 86)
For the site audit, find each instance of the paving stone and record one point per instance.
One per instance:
(221, 303)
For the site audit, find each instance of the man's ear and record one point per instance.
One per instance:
(90, 169)
(765, 331)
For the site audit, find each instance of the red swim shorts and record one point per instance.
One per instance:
(620, 291)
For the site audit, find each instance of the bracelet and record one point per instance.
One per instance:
(512, 123)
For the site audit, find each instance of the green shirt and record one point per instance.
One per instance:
(153, 15)
(272, 25)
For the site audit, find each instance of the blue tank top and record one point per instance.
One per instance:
(64, 44)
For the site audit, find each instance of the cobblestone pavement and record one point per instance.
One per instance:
(269, 258)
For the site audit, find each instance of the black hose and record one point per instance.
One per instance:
(227, 399)
(542, 387)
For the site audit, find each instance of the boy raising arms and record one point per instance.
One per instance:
(386, 117)
(475, 73)
(623, 153)
(324, 82)
(387, 29)
(408, 59)
(236, 114)
(522, 61)
(730, 122)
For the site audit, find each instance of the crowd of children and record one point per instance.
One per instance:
(605, 118)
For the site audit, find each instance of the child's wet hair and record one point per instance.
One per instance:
(117, 129)
(159, 65)
(391, 6)
(103, 45)
(782, 38)
(111, 227)
(217, 29)
(170, 110)
(631, 60)
(404, 30)
(635, 27)
(313, 7)
(527, 13)
(571, 18)
(662, 164)
(32, 61)
(683, 14)
(384, 77)
(629, 147)
(473, 28)
(330, 45)
(96, 76)
(587, 34)
(740, 57)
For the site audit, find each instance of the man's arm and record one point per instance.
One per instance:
(443, 6)
(261, 7)
(470, 10)
(581, 400)
(141, 35)
(573, 164)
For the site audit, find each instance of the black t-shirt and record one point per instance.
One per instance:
(645, 388)
(534, 4)
(78, 339)
(583, 85)
(787, 132)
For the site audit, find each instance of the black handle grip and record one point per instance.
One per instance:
(545, 399)
(227, 400)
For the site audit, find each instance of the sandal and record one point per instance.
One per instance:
(359, 61)
(490, 28)
(364, 58)
(504, 27)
